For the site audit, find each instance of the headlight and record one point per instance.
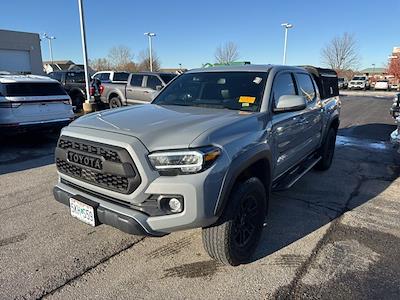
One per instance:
(184, 161)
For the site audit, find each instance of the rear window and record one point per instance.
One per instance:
(167, 77)
(121, 76)
(26, 89)
(56, 75)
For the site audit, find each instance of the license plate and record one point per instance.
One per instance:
(82, 211)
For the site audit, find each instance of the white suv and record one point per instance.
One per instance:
(30, 101)
(359, 82)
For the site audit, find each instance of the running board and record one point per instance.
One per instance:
(294, 175)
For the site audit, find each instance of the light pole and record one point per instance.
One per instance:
(150, 35)
(287, 26)
(85, 61)
(50, 38)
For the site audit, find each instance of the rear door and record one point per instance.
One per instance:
(135, 89)
(288, 128)
(312, 116)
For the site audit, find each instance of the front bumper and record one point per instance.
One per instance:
(200, 191)
(128, 224)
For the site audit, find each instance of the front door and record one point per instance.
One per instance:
(288, 128)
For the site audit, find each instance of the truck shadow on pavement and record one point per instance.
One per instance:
(320, 197)
(373, 131)
(26, 151)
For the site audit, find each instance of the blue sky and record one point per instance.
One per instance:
(188, 32)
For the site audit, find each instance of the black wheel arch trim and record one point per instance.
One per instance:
(236, 168)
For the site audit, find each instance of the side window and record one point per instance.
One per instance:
(283, 85)
(136, 80)
(306, 87)
(72, 77)
(56, 76)
(152, 82)
(104, 77)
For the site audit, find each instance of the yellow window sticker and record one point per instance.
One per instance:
(247, 99)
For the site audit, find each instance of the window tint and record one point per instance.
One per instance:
(152, 82)
(283, 85)
(306, 87)
(56, 75)
(121, 76)
(33, 89)
(222, 90)
(104, 77)
(72, 77)
(136, 80)
(167, 77)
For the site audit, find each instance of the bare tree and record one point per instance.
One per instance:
(120, 57)
(100, 64)
(144, 61)
(227, 53)
(341, 53)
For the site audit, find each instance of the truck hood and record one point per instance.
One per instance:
(161, 127)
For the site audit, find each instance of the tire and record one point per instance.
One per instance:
(233, 240)
(327, 151)
(77, 102)
(115, 102)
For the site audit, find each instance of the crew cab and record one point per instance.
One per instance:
(140, 88)
(206, 153)
(32, 102)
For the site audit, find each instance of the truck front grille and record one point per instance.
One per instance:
(115, 171)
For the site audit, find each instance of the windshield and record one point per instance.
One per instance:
(229, 90)
(340, 79)
(359, 78)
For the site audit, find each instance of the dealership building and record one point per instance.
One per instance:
(20, 52)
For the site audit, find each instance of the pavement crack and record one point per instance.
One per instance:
(294, 286)
(45, 294)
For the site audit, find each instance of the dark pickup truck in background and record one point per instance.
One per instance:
(140, 88)
(74, 84)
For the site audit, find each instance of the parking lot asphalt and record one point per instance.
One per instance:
(334, 234)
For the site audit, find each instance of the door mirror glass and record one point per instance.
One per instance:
(159, 87)
(287, 103)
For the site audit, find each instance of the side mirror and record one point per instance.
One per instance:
(287, 103)
(159, 87)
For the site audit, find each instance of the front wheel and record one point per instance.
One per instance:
(233, 240)
(327, 151)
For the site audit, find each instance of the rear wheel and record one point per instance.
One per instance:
(234, 238)
(115, 102)
(327, 151)
(77, 102)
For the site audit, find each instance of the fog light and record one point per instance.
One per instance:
(175, 205)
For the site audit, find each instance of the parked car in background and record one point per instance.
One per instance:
(394, 87)
(395, 109)
(342, 82)
(112, 76)
(74, 84)
(32, 102)
(395, 136)
(140, 88)
(382, 85)
(359, 82)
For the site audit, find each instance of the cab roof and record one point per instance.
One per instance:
(244, 68)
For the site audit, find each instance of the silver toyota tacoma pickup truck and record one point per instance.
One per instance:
(206, 153)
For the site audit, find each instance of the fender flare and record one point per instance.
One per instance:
(236, 168)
